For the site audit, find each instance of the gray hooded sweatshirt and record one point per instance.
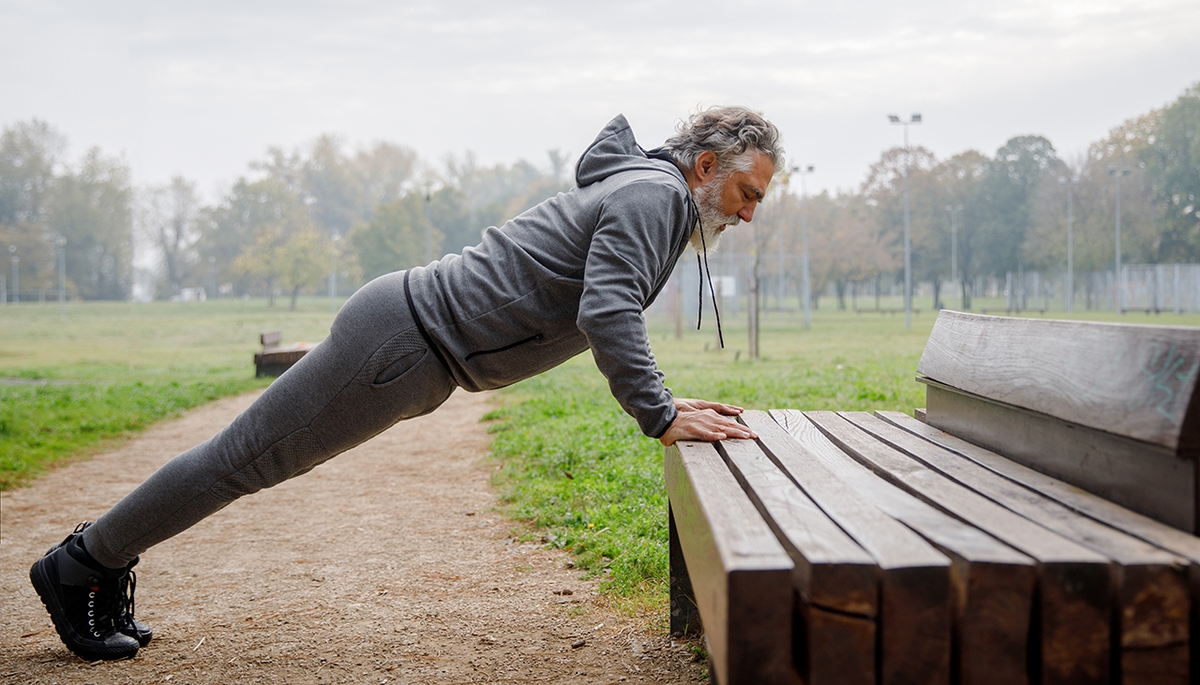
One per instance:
(574, 272)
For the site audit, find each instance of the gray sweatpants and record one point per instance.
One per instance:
(373, 370)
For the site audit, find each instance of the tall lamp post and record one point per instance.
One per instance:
(954, 210)
(1071, 184)
(1118, 300)
(61, 243)
(333, 269)
(914, 119)
(805, 282)
(16, 274)
(428, 229)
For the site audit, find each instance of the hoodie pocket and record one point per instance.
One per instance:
(526, 341)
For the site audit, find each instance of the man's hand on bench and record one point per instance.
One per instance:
(706, 421)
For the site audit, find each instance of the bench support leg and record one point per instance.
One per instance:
(685, 615)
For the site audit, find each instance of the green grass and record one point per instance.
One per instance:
(96, 372)
(573, 466)
(576, 468)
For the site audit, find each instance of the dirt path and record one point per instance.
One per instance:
(388, 564)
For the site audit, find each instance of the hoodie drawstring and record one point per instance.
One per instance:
(700, 295)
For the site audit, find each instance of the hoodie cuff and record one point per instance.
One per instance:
(670, 418)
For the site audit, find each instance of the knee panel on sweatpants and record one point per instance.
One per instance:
(297, 453)
(393, 358)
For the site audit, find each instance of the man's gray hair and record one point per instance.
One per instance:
(729, 132)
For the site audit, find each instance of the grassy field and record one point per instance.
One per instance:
(93, 372)
(571, 464)
(575, 466)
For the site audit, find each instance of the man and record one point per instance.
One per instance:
(575, 272)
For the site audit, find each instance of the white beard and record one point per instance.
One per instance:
(707, 235)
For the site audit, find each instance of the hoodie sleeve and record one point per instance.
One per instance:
(633, 250)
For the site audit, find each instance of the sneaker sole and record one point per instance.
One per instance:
(44, 585)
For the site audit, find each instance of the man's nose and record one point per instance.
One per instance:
(747, 213)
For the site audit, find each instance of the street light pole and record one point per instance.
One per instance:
(428, 229)
(212, 276)
(954, 210)
(61, 242)
(914, 119)
(333, 270)
(16, 274)
(805, 281)
(1118, 300)
(1070, 184)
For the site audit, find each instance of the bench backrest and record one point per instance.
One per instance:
(1108, 407)
(1134, 381)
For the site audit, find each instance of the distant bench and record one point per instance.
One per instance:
(1014, 310)
(275, 358)
(885, 310)
(857, 548)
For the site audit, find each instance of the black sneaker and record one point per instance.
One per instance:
(127, 623)
(89, 604)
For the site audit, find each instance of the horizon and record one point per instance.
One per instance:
(203, 92)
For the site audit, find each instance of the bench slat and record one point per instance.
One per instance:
(1142, 476)
(834, 572)
(915, 589)
(739, 572)
(837, 581)
(1073, 581)
(995, 583)
(1150, 592)
(1155, 532)
(1136, 381)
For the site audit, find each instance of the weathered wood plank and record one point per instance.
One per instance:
(830, 646)
(1135, 381)
(1145, 477)
(833, 571)
(1150, 590)
(685, 615)
(915, 634)
(993, 583)
(740, 573)
(837, 581)
(1155, 532)
(1073, 634)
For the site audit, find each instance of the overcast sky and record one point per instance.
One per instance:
(201, 89)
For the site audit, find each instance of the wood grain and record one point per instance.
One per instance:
(1155, 532)
(993, 583)
(1135, 381)
(740, 574)
(1073, 634)
(1148, 478)
(837, 582)
(1150, 589)
(915, 634)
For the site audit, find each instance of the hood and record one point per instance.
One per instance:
(614, 150)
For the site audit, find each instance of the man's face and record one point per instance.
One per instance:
(728, 198)
(743, 190)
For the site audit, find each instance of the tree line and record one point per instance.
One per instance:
(296, 215)
(279, 229)
(1003, 212)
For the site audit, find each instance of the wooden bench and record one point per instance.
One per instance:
(1036, 527)
(885, 310)
(276, 358)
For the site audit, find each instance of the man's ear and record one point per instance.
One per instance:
(706, 165)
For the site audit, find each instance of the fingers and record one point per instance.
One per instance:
(706, 425)
(690, 404)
